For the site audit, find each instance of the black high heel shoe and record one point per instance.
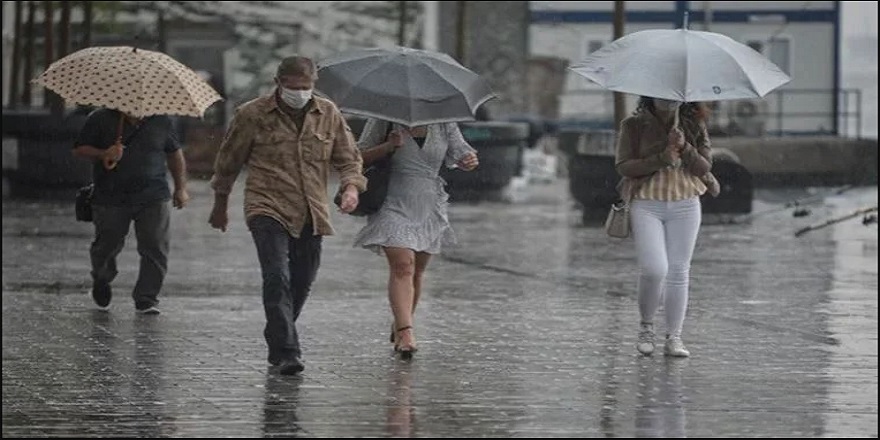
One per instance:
(406, 351)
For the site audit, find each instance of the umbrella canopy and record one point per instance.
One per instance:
(407, 86)
(135, 81)
(682, 65)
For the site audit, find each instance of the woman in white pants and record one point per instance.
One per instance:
(665, 169)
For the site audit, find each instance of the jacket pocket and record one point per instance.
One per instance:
(317, 146)
(272, 146)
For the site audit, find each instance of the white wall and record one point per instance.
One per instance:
(581, 97)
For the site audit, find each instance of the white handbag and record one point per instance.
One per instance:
(617, 223)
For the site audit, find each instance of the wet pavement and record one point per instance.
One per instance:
(527, 329)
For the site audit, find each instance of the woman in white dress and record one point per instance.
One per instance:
(412, 224)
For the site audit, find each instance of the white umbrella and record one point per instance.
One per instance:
(682, 65)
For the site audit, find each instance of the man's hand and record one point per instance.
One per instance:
(469, 162)
(112, 156)
(219, 218)
(181, 197)
(349, 200)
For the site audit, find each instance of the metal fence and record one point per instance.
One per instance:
(787, 112)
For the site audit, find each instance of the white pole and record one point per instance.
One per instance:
(430, 37)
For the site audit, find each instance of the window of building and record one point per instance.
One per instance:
(779, 52)
(776, 49)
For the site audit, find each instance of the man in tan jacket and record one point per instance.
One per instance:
(288, 140)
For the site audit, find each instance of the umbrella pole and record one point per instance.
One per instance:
(119, 128)
(676, 118)
(108, 162)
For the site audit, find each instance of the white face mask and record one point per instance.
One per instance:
(296, 98)
(666, 105)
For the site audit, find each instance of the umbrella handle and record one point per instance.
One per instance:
(110, 163)
(676, 117)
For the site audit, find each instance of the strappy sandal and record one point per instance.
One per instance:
(406, 352)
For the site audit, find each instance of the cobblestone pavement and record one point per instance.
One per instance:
(526, 329)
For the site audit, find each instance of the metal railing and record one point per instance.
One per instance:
(846, 123)
(787, 112)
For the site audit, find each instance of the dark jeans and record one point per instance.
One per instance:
(289, 266)
(151, 223)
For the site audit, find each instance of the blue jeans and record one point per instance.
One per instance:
(289, 266)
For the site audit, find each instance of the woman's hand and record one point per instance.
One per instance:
(395, 139)
(676, 138)
(674, 147)
(469, 162)
(672, 154)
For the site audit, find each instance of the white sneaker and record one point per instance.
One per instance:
(645, 345)
(674, 347)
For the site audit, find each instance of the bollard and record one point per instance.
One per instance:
(592, 177)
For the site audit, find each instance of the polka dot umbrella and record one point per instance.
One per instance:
(134, 81)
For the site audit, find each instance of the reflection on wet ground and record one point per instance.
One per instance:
(527, 328)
